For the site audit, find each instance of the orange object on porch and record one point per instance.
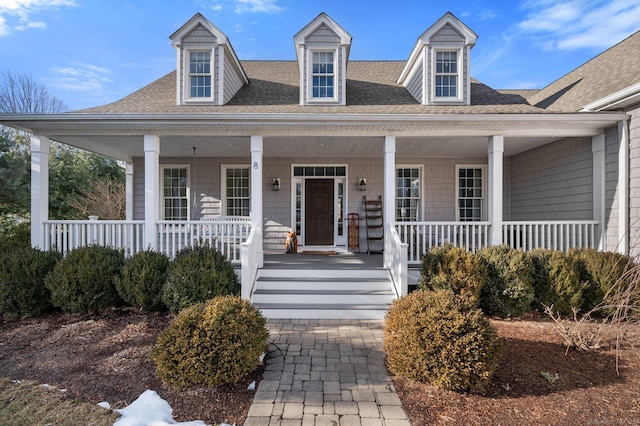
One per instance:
(354, 230)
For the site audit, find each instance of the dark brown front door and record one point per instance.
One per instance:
(318, 209)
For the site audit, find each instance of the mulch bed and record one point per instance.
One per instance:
(107, 357)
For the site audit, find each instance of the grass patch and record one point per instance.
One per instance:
(29, 403)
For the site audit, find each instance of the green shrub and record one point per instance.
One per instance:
(440, 338)
(15, 236)
(22, 274)
(83, 281)
(509, 290)
(211, 344)
(198, 274)
(453, 268)
(142, 280)
(599, 271)
(557, 281)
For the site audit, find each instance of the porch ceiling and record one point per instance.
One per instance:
(305, 135)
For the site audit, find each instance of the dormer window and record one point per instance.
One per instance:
(446, 75)
(323, 82)
(200, 75)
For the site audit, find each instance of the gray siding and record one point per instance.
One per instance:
(553, 182)
(634, 178)
(414, 86)
(448, 38)
(199, 38)
(232, 78)
(448, 35)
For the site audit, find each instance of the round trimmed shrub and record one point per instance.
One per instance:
(442, 339)
(143, 277)
(212, 343)
(83, 281)
(198, 274)
(599, 272)
(509, 290)
(453, 268)
(556, 281)
(22, 274)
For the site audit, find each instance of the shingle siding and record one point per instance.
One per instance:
(553, 182)
(232, 78)
(416, 81)
(323, 38)
(634, 177)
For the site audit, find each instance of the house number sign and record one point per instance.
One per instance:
(255, 165)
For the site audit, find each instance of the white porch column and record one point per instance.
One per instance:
(39, 188)
(494, 208)
(129, 191)
(151, 190)
(256, 193)
(623, 188)
(599, 188)
(389, 194)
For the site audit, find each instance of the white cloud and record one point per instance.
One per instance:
(24, 9)
(257, 6)
(486, 15)
(80, 78)
(576, 24)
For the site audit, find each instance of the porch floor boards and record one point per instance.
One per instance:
(321, 261)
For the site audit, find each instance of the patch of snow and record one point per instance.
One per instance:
(252, 386)
(150, 410)
(105, 404)
(262, 356)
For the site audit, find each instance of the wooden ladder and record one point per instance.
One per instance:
(374, 224)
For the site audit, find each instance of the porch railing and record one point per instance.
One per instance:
(553, 235)
(396, 260)
(226, 234)
(250, 262)
(66, 235)
(422, 236)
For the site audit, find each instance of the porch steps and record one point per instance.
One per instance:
(322, 293)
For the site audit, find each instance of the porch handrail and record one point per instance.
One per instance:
(423, 236)
(249, 262)
(550, 234)
(66, 235)
(222, 233)
(396, 260)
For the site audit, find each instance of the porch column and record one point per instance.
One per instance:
(129, 191)
(256, 193)
(599, 188)
(623, 188)
(388, 206)
(494, 208)
(39, 188)
(151, 190)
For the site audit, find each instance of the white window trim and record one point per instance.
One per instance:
(175, 166)
(223, 183)
(187, 80)
(459, 82)
(483, 217)
(421, 203)
(336, 76)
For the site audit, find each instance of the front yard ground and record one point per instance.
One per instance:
(106, 357)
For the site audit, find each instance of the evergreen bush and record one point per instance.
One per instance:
(198, 274)
(442, 339)
(453, 268)
(142, 280)
(83, 281)
(212, 343)
(22, 274)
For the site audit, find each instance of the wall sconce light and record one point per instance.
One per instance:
(362, 184)
(276, 184)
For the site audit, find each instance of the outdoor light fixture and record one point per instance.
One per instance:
(276, 184)
(362, 184)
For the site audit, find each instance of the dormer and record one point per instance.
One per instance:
(208, 71)
(438, 71)
(322, 50)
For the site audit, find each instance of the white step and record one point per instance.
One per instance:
(322, 312)
(324, 273)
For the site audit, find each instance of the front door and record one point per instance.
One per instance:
(319, 212)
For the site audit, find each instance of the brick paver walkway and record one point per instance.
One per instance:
(326, 372)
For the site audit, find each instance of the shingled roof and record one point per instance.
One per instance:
(274, 88)
(607, 73)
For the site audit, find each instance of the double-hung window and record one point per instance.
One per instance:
(200, 75)
(408, 191)
(237, 190)
(446, 75)
(175, 193)
(322, 75)
(470, 193)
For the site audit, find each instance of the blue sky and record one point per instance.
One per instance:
(92, 52)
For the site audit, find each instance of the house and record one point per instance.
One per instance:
(240, 152)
